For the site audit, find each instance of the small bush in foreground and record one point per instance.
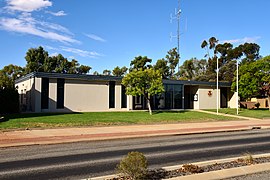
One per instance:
(134, 165)
(248, 158)
(191, 168)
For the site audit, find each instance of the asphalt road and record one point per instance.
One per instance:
(89, 159)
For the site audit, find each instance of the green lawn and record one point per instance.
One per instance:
(49, 120)
(255, 113)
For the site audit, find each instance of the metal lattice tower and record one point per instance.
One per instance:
(177, 17)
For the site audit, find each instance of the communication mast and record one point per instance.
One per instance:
(177, 17)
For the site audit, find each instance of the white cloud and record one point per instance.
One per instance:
(50, 47)
(30, 26)
(55, 27)
(243, 40)
(27, 5)
(54, 54)
(59, 13)
(95, 37)
(20, 20)
(80, 52)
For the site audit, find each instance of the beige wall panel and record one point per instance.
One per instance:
(232, 100)
(206, 101)
(52, 94)
(129, 102)
(86, 96)
(37, 94)
(117, 96)
(26, 93)
(195, 90)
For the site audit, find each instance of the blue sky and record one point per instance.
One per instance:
(108, 33)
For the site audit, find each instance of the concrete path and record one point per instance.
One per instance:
(53, 136)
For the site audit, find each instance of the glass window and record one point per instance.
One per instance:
(173, 96)
(177, 96)
(138, 100)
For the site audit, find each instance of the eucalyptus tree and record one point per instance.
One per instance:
(193, 69)
(162, 66)
(140, 63)
(35, 58)
(172, 58)
(117, 71)
(107, 72)
(38, 60)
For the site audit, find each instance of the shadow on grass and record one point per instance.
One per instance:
(261, 109)
(3, 119)
(168, 111)
(8, 117)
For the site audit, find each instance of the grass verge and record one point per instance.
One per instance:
(53, 120)
(254, 113)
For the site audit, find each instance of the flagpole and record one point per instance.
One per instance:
(217, 86)
(237, 88)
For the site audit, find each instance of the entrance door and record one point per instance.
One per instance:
(188, 97)
(223, 97)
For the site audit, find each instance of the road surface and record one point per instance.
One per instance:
(89, 159)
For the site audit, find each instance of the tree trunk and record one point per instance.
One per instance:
(149, 106)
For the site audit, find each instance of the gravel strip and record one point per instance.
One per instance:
(158, 174)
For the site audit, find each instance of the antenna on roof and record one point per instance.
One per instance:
(177, 17)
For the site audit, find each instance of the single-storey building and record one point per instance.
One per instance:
(55, 92)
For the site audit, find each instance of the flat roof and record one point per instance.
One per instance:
(68, 76)
(111, 78)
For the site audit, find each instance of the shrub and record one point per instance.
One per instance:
(9, 101)
(248, 158)
(134, 165)
(192, 168)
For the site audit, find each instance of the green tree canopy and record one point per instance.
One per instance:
(95, 73)
(254, 79)
(35, 58)
(38, 60)
(193, 69)
(9, 97)
(162, 66)
(140, 63)
(144, 82)
(107, 72)
(172, 58)
(117, 71)
(227, 55)
(9, 74)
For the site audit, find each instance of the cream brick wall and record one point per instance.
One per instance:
(232, 100)
(37, 94)
(26, 94)
(205, 101)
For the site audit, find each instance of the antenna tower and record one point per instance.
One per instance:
(177, 17)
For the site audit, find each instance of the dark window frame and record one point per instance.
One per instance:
(123, 97)
(60, 94)
(111, 94)
(45, 93)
